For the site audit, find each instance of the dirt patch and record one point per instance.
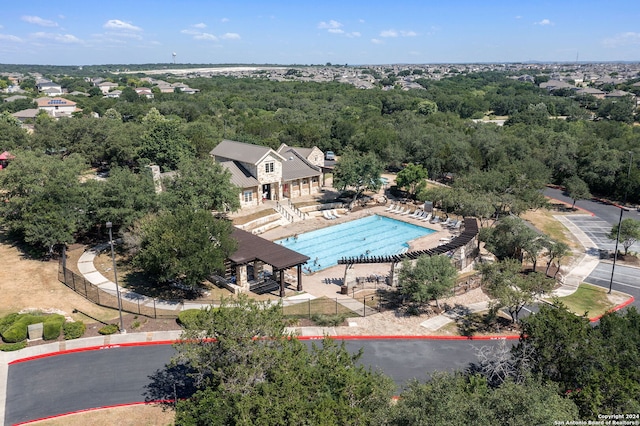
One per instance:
(26, 283)
(137, 415)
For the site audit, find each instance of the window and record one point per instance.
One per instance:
(268, 167)
(247, 196)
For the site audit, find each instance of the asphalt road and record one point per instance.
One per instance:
(625, 279)
(78, 381)
(606, 212)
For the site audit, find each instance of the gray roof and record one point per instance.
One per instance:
(26, 113)
(15, 98)
(239, 151)
(295, 166)
(239, 175)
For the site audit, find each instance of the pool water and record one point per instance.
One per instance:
(370, 236)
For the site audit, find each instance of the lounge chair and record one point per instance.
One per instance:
(391, 207)
(335, 213)
(399, 210)
(416, 214)
(457, 225)
(435, 219)
(426, 217)
(406, 212)
(446, 222)
(327, 215)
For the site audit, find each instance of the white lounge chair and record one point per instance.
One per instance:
(398, 209)
(457, 225)
(391, 207)
(335, 213)
(406, 212)
(435, 219)
(446, 222)
(416, 214)
(427, 217)
(327, 215)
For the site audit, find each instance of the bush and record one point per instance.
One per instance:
(189, 317)
(73, 330)
(8, 347)
(52, 326)
(51, 329)
(109, 329)
(328, 320)
(7, 321)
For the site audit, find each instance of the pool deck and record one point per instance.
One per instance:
(327, 282)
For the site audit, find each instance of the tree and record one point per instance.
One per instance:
(247, 371)
(513, 290)
(429, 279)
(460, 399)
(629, 233)
(556, 250)
(509, 238)
(358, 171)
(184, 245)
(201, 184)
(413, 177)
(427, 107)
(42, 199)
(577, 189)
(163, 142)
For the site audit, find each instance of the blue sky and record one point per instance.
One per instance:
(65, 32)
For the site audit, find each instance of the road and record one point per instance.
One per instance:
(78, 381)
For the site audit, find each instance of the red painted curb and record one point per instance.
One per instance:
(411, 337)
(91, 348)
(171, 342)
(614, 309)
(128, 404)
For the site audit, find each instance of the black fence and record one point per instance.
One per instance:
(160, 308)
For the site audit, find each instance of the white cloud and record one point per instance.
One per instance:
(9, 37)
(200, 25)
(116, 24)
(206, 36)
(230, 36)
(335, 31)
(622, 39)
(544, 22)
(329, 25)
(353, 34)
(39, 21)
(376, 41)
(62, 38)
(518, 17)
(223, 20)
(389, 33)
(190, 32)
(408, 33)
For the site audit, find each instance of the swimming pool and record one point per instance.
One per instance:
(370, 236)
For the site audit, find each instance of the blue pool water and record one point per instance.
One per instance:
(370, 236)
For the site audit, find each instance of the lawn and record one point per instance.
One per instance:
(588, 298)
(321, 305)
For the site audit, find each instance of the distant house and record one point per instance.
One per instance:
(15, 98)
(107, 86)
(26, 114)
(597, 93)
(49, 88)
(144, 91)
(113, 94)
(57, 107)
(264, 174)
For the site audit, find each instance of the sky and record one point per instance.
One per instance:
(353, 32)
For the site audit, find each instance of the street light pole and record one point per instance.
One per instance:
(115, 276)
(622, 209)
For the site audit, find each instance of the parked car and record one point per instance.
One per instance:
(329, 155)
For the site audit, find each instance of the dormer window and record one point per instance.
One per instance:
(268, 167)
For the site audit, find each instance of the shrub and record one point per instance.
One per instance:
(7, 321)
(8, 347)
(328, 320)
(189, 317)
(109, 329)
(52, 326)
(73, 330)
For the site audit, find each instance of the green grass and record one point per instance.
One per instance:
(588, 298)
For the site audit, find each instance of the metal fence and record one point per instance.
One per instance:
(161, 308)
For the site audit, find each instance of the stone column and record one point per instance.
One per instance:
(299, 273)
(241, 277)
